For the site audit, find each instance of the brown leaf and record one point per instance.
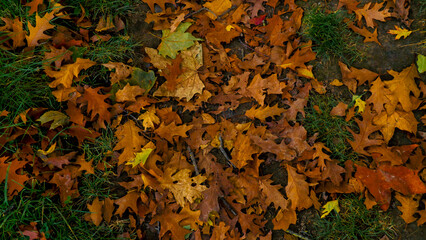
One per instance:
(67, 73)
(297, 190)
(408, 208)
(379, 182)
(129, 93)
(37, 32)
(96, 211)
(168, 132)
(129, 140)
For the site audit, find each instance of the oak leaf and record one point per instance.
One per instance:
(33, 6)
(130, 200)
(13, 171)
(297, 190)
(182, 185)
(160, 3)
(399, 32)
(272, 194)
(264, 112)
(142, 156)
(168, 132)
(373, 13)
(398, 119)
(67, 73)
(37, 32)
(96, 211)
(129, 140)
(284, 218)
(401, 86)
(362, 139)
(380, 182)
(128, 93)
(380, 95)
(171, 222)
(217, 7)
(369, 36)
(97, 106)
(408, 208)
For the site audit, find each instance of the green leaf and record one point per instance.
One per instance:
(421, 63)
(140, 157)
(176, 41)
(58, 118)
(328, 207)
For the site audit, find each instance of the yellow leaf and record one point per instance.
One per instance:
(142, 156)
(229, 27)
(58, 118)
(149, 118)
(399, 32)
(50, 150)
(329, 206)
(218, 7)
(336, 83)
(359, 103)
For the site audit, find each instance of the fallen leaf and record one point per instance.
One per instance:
(96, 211)
(408, 208)
(173, 42)
(217, 7)
(58, 118)
(182, 185)
(399, 32)
(330, 206)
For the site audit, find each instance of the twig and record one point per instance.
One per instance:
(198, 11)
(296, 234)
(191, 155)
(228, 159)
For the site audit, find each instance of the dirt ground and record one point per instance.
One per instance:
(393, 54)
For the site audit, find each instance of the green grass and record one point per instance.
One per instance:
(22, 84)
(331, 129)
(330, 35)
(55, 221)
(102, 8)
(354, 222)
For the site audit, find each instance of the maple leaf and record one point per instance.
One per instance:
(189, 81)
(129, 140)
(297, 190)
(182, 185)
(173, 42)
(96, 211)
(149, 118)
(58, 118)
(399, 32)
(68, 72)
(122, 71)
(218, 7)
(37, 31)
(379, 182)
(373, 13)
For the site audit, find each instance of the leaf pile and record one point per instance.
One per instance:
(195, 131)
